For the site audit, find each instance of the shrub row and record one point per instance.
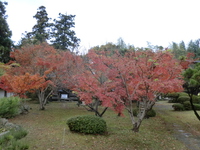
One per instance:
(185, 106)
(182, 97)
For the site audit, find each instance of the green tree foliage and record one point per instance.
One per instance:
(27, 39)
(5, 35)
(11, 140)
(194, 47)
(9, 107)
(59, 33)
(112, 48)
(154, 47)
(108, 47)
(63, 37)
(192, 84)
(41, 31)
(178, 50)
(182, 47)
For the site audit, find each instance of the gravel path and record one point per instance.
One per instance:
(192, 142)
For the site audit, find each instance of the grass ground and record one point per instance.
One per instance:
(48, 130)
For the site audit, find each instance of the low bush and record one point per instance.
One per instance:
(178, 107)
(197, 106)
(9, 107)
(172, 101)
(183, 94)
(187, 105)
(173, 97)
(182, 99)
(196, 99)
(11, 140)
(150, 113)
(87, 124)
(135, 112)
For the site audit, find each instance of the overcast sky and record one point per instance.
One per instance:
(100, 21)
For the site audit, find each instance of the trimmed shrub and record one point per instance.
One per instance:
(197, 106)
(187, 105)
(196, 99)
(150, 113)
(183, 94)
(11, 139)
(178, 107)
(183, 99)
(9, 107)
(173, 96)
(87, 124)
(135, 112)
(172, 101)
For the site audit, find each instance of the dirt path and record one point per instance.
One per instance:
(191, 141)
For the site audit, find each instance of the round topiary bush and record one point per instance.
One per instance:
(183, 94)
(178, 107)
(183, 99)
(173, 97)
(187, 105)
(150, 113)
(135, 112)
(196, 99)
(87, 124)
(197, 106)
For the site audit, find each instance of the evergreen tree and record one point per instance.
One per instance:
(175, 49)
(5, 35)
(182, 46)
(178, 50)
(182, 49)
(63, 37)
(193, 47)
(27, 39)
(153, 47)
(41, 31)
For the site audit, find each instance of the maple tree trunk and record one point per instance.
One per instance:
(42, 106)
(41, 99)
(136, 126)
(46, 98)
(95, 108)
(144, 107)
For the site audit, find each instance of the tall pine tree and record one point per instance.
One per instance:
(178, 50)
(5, 35)
(194, 47)
(41, 31)
(63, 36)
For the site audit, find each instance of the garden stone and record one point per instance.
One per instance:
(5, 124)
(3, 121)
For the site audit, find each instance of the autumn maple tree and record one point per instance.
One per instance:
(91, 84)
(117, 81)
(34, 71)
(68, 65)
(20, 84)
